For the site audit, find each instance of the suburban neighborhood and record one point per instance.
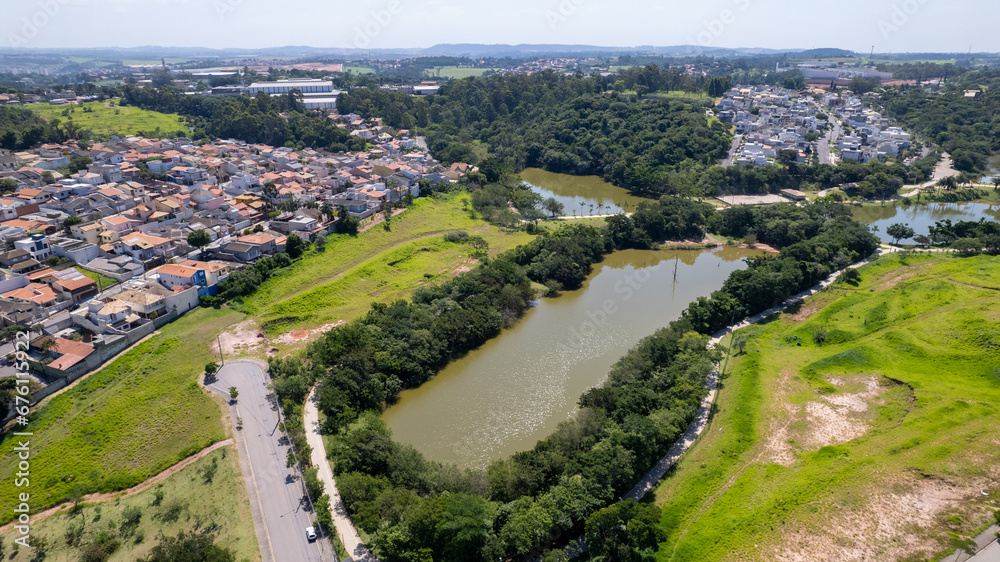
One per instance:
(96, 260)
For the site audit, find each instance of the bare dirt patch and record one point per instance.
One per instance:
(896, 277)
(244, 337)
(828, 420)
(465, 267)
(303, 336)
(804, 312)
(839, 418)
(898, 520)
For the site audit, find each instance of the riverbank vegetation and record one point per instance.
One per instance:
(412, 507)
(860, 420)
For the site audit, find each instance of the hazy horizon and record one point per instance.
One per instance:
(889, 26)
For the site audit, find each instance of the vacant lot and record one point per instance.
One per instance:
(125, 423)
(860, 427)
(187, 501)
(375, 266)
(456, 72)
(106, 121)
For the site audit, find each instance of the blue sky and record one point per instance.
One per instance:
(889, 25)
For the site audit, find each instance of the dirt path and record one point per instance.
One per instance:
(137, 489)
(349, 536)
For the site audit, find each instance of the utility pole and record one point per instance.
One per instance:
(221, 356)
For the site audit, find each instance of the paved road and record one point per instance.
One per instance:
(823, 147)
(732, 151)
(348, 534)
(987, 548)
(280, 509)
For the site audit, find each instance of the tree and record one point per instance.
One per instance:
(861, 85)
(233, 393)
(740, 343)
(899, 232)
(320, 241)
(70, 221)
(47, 177)
(8, 185)
(968, 246)
(199, 238)
(348, 223)
(189, 548)
(294, 246)
(552, 206)
(624, 532)
(922, 240)
(211, 368)
(949, 183)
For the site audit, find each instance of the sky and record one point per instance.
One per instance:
(891, 26)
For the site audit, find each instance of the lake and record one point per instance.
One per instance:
(921, 217)
(573, 190)
(515, 389)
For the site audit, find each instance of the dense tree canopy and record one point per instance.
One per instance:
(967, 128)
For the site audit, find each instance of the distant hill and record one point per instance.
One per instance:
(473, 50)
(823, 53)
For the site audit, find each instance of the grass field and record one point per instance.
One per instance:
(187, 504)
(104, 122)
(359, 69)
(102, 281)
(875, 444)
(376, 266)
(456, 72)
(132, 419)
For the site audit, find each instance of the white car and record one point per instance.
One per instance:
(311, 533)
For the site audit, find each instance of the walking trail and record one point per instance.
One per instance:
(348, 534)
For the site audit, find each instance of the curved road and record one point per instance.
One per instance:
(280, 509)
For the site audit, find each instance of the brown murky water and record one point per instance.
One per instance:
(921, 217)
(597, 195)
(505, 396)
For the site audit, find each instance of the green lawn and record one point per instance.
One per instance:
(359, 69)
(376, 266)
(879, 441)
(132, 419)
(456, 72)
(104, 122)
(188, 504)
(102, 281)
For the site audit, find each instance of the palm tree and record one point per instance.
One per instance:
(591, 208)
(996, 183)
(582, 203)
